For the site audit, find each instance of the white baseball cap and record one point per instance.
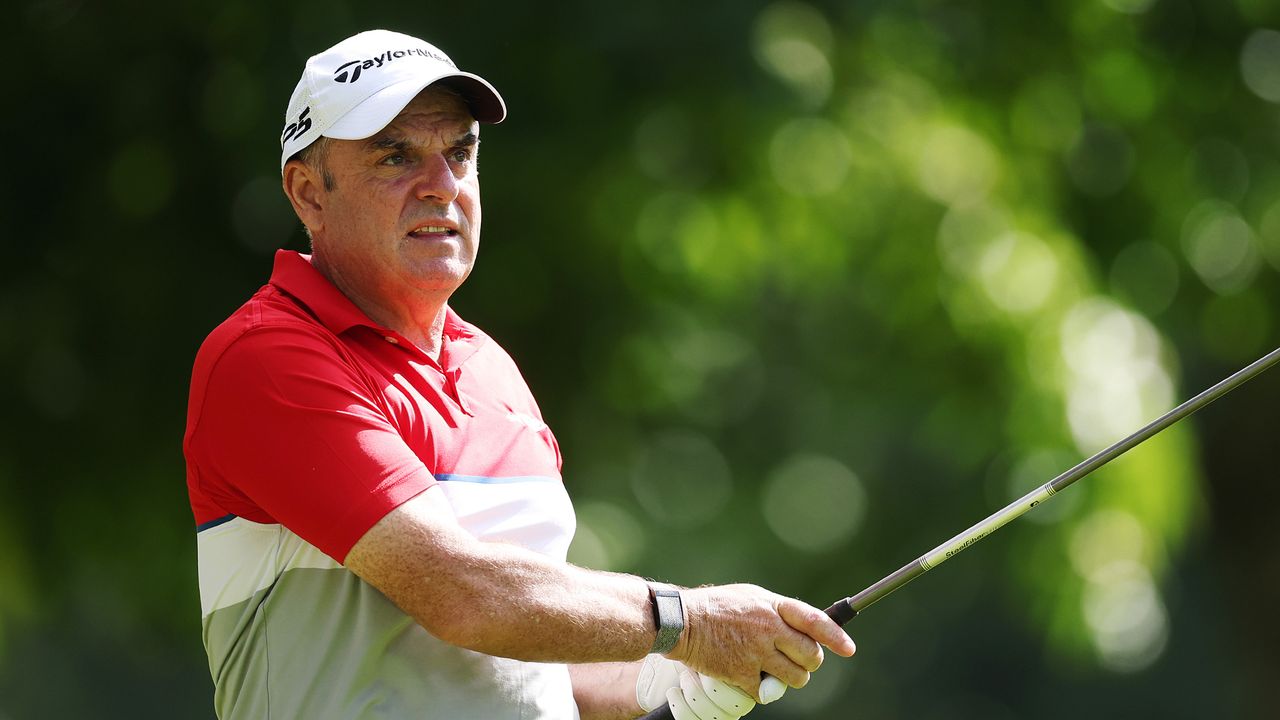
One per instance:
(355, 88)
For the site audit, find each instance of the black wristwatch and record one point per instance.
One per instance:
(668, 617)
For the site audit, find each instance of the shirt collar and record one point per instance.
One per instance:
(461, 340)
(294, 274)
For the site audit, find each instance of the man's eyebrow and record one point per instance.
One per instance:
(382, 143)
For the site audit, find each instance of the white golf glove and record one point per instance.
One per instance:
(694, 696)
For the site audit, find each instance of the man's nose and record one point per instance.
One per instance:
(436, 181)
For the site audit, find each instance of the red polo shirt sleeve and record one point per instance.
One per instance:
(291, 430)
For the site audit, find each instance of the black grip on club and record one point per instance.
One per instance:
(841, 612)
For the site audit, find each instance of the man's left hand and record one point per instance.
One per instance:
(692, 696)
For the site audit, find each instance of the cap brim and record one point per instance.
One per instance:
(379, 109)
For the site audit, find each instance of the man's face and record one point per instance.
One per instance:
(402, 219)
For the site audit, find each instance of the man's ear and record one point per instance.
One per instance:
(304, 186)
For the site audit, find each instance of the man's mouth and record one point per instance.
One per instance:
(426, 230)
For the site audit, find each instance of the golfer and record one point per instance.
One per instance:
(381, 521)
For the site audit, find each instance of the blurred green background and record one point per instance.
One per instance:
(803, 289)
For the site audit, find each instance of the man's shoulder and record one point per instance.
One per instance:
(269, 336)
(270, 318)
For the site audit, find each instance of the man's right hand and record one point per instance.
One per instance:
(737, 632)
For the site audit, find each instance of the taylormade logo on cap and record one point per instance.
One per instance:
(355, 88)
(350, 72)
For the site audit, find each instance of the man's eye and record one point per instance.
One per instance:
(396, 159)
(461, 155)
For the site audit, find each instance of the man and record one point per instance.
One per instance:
(382, 526)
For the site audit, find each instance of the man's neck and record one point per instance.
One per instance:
(420, 320)
(422, 325)
(427, 337)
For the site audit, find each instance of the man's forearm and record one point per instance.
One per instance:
(501, 599)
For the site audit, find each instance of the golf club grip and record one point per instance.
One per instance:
(841, 612)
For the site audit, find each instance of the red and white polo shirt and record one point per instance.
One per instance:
(307, 423)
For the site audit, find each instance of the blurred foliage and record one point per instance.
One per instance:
(803, 288)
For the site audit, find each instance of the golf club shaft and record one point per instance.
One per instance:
(845, 610)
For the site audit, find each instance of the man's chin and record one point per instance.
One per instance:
(440, 275)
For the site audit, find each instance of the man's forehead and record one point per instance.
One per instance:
(436, 105)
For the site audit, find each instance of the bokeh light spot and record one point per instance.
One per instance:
(964, 235)
(587, 549)
(1126, 617)
(956, 166)
(681, 479)
(1018, 272)
(810, 157)
(1104, 538)
(608, 537)
(813, 503)
(792, 41)
(1260, 64)
(1220, 247)
(1269, 235)
(1115, 380)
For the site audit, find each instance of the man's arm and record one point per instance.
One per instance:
(496, 598)
(504, 600)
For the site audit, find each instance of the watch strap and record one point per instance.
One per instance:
(668, 617)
